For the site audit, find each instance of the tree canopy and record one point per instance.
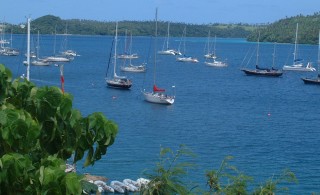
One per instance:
(50, 24)
(283, 31)
(39, 132)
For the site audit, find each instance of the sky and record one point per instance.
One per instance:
(185, 11)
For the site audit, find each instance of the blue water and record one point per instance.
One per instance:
(267, 124)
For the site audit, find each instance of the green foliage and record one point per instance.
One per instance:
(167, 177)
(270, 186)
(283, 31)
(5, 76)
(228, 180)
(39, 131)
(89, 187)
(237, 181)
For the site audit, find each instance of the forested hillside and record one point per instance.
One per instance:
(283, 31)
(50, 24)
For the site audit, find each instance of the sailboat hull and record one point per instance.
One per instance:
(299, 68)
(266, 73)
(216, 64)
(119, 84)
(170, 52)
(40, 62)
(315, 81)
(158, 98)
(128, 56)
(187, 59)
(57, 59)
(210, 56)
(133, 68)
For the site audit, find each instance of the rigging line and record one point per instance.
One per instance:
(289, 54)
(21, 55)
(245, 57)
(252, 54)
(147, 61)
(110, 54)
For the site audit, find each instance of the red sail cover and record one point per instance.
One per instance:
(156, 89)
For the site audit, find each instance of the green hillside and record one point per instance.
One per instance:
(49, 24)
(283, 31)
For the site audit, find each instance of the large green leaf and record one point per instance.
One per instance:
(78, 155)
(88, 160)
(65, 107)
(3, 117)
(72, 184)
(40, 122)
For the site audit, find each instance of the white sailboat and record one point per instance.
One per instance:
(127, 50)
(185, 58)
(39, 61)
(165, 49)
(120, 82)
(4, 50)
(298, 63)
(214, 62)
(57, 58)
(208, 54)
(67, 52)
(157, 95)
(133, 68)
(130, 67)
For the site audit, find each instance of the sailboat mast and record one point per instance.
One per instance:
(125, 42)
(184, 39)
(168, 35)
(28, 50)
(65, 37)
(155, 47)
(11, 39)
(257, 60)
(38, 45)
(208, 43)
(214, 46)
(319, 55)
(295, 45)
(115, 50)
(274, 54)
(130, 47)
(55, 40)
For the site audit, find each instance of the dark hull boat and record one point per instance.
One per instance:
(117, 82)
(315, 81)
(266, 73)
(261, 71)
(121, 83)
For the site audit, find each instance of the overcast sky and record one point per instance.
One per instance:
(187, 11)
